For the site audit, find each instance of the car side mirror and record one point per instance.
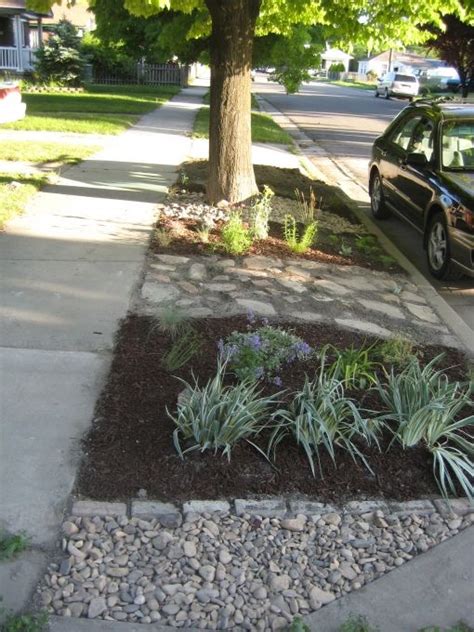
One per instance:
(417, 160)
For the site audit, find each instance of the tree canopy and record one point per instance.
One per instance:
(231, 26)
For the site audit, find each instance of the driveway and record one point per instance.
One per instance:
(345, 122)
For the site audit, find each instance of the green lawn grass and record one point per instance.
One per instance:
(264, 128)
(99, 110)
(45, 152)
(362, 85)
(78, 122)
(16, 190)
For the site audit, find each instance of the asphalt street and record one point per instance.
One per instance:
(345, 123)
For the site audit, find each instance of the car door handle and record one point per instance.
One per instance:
(402, 164)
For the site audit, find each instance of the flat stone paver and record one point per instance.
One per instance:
(287, 290)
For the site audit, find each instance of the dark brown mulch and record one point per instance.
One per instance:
(129, 446)
(284, 182)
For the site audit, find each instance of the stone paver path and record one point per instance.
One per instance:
(291, 290)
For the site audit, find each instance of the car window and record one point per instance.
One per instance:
(402, 134)
(422, 138)
(457, 141)
(405, 78)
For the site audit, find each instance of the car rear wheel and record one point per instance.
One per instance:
(438, 250)
(377, 200)
(376, 93)
(386, 94)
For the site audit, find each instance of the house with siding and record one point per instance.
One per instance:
(395, 60)
(21, 34)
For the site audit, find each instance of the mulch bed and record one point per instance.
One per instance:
(284, 182)
(129, 446)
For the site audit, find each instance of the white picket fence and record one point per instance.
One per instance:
(145, 74)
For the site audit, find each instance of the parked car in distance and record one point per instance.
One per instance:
(397, 84)
(422, 169)
(12, 107)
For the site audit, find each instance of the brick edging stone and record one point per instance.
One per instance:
(171, 515)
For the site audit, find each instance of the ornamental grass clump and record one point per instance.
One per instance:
(424, 408)
(321, 418)
(217, 416)
(263, 352)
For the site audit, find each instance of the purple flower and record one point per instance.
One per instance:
(277, 381)
(301, 349)
(254, 341)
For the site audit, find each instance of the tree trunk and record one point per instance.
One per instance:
(231, 175)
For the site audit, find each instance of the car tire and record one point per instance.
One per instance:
(376, 93)
(377, 201)
(386, 94)
(438, 250)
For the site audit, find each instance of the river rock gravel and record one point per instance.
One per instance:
(221, 571)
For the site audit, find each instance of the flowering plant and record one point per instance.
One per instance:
(262, 352)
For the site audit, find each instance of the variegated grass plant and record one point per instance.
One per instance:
(424, 407)
(321, 417)
(217, 416)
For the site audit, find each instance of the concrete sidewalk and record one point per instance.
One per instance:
(69, 268)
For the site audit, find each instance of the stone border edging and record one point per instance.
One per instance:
(171, 515)
(451, 319)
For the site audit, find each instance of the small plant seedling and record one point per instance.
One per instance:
(172, 321)
(12, 545)
(296, 243)
(308, 207)
(236, 238)
(357, 624)
(386, 260)
(367, 244)
(397, 351)
(182, 350)
(298, 625)
(260, 213)
(345, 250)
(163, 237)
(25, 622)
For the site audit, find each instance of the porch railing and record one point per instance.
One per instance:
(12, 58)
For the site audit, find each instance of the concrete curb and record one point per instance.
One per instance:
(310, 154)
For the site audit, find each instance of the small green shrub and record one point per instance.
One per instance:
(12, 545)
(262, 353)
(215, 417)
(59, 59)
(337, 67)
(236, 237)
(296, 243)
(345, 250)
(321, 417)
(396, 351)
(260, 213)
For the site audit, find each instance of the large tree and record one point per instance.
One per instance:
(454, 43)
(232, 25)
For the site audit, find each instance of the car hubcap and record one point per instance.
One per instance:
(437, 246)
(376, 195)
